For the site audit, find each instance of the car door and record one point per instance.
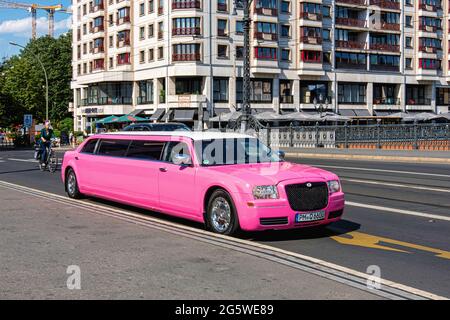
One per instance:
(85, 162)
(177, 191)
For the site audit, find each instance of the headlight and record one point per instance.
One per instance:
(265, 192)
(334, 186)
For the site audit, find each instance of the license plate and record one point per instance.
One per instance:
(312, 216)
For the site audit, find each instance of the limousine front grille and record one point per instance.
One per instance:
(307, 196)
(273, 221)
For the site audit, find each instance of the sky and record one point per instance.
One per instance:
(15, 25)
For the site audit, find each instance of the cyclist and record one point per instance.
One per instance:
(46, 143)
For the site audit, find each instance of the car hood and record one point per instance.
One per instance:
(273, 173)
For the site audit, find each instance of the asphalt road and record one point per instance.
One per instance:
(397, 218)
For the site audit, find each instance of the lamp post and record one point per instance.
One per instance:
(245, 4)
(45, 74)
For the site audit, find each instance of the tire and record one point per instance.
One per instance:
(72, 185)
(221, 216)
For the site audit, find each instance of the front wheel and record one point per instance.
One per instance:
(52, 162)
(221, 216)
(72, 185)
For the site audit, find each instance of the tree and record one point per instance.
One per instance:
(22, 81)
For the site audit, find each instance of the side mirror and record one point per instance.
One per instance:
(281, 154)
(181, 159)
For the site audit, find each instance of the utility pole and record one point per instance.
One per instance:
(246, 111)
(45, 75)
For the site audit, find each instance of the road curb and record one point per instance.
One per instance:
(368, 158)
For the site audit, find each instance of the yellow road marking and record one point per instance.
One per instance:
(369, 241)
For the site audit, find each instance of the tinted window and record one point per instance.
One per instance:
(173, 148)
(150, 150)
(114, 148)
(89, 147)
(170, 127)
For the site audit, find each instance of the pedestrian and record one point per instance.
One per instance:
(71, 138)
(45, 141)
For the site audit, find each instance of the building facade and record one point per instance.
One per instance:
(167, 59)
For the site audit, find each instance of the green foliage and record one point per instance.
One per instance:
(22, 81)
(66, 125)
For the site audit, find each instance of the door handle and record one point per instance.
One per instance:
(163, 169)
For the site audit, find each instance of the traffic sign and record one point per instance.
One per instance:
(27, 120)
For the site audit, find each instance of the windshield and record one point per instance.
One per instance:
(233, 151)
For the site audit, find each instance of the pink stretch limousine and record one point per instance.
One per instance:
(228, 181)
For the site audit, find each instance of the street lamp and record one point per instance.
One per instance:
(45, 74)
(245, 4)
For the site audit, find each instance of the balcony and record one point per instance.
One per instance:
(386, 101)
(93, 101)
(353, 2)
(356, 45)
(222, 33)
(386, 4)
(430, 8)
(144, 100)
(99, 49)
(390, 26)
(265, 36)
(96, 29)
(185, 31)
(378, 67)
(186, 57)
(418, 101)
(428, 49)
(358, 23)
(95, 8)
(266, 11)
(98, 65)
(311, 40)
(186, 5)
(426, 28)
(385, 47)
(123, 20)
(311, 16)
(286, 99)
(344, 65)
(123, 42)
(160, 10)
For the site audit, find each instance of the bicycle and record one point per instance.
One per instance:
(51, 163)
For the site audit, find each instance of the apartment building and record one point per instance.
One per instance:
(167, 59)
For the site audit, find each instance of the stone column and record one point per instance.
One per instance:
(369, 97)
(276, 94)
(296, 93)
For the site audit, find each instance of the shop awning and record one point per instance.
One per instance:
(183, 115)
(157, 115)
(130, 118)
(354, 113)
(136, 112)
(167, 116)
(110, 119)
(347, 112)
(218, 111)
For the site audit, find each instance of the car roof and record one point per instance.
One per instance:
(194, 135)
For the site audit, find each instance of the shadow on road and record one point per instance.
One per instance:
(19, 171)
(337, 228)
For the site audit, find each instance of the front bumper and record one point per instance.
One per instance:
(277, 214)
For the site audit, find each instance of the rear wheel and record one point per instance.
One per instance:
(72, 185)
(221, 216)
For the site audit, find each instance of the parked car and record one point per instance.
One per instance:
(228, 181)
(170, 126)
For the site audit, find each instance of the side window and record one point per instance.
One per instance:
(113, 147)
(89, 147)
(148, 150)
(175, 148)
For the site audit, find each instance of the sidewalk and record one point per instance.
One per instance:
(417, 156)
(40, 238)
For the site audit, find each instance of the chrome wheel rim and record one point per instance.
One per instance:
(220, 214)
(71, 183)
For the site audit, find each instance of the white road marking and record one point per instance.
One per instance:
(385, 170)
(397, 185)
(22, 160)
(324, 264)
(401, 211)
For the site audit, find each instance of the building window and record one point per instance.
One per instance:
(220, 90)
(222, 51)
(142, 9)
(150, 31)
(222, 28)
(142, 33)
(408, 42)
(260, 90)
(111, 20)
(111, 63)
(430, 64)
(416, 94)
(186, 52)
(151, 6)
(351, 60)
(123, 58)
(186, 26)
(326, 12)
(408, 21)
(408, 63)
(285, 54)
(326, 57)
(160, 7)
(160, 52)
(384, 62)
(191, 85)
(285, 31)
(151, 56)
(285, 6)
(351, 93)
(239, 52)
(84, 29)
(111, 41)
(239, 27)
(326, 34)
(266, 53)
(160, 30)
(84, 48)
(222, 5)
(142, 56)
(311, 56)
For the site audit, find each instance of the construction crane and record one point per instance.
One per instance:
(32, 8)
